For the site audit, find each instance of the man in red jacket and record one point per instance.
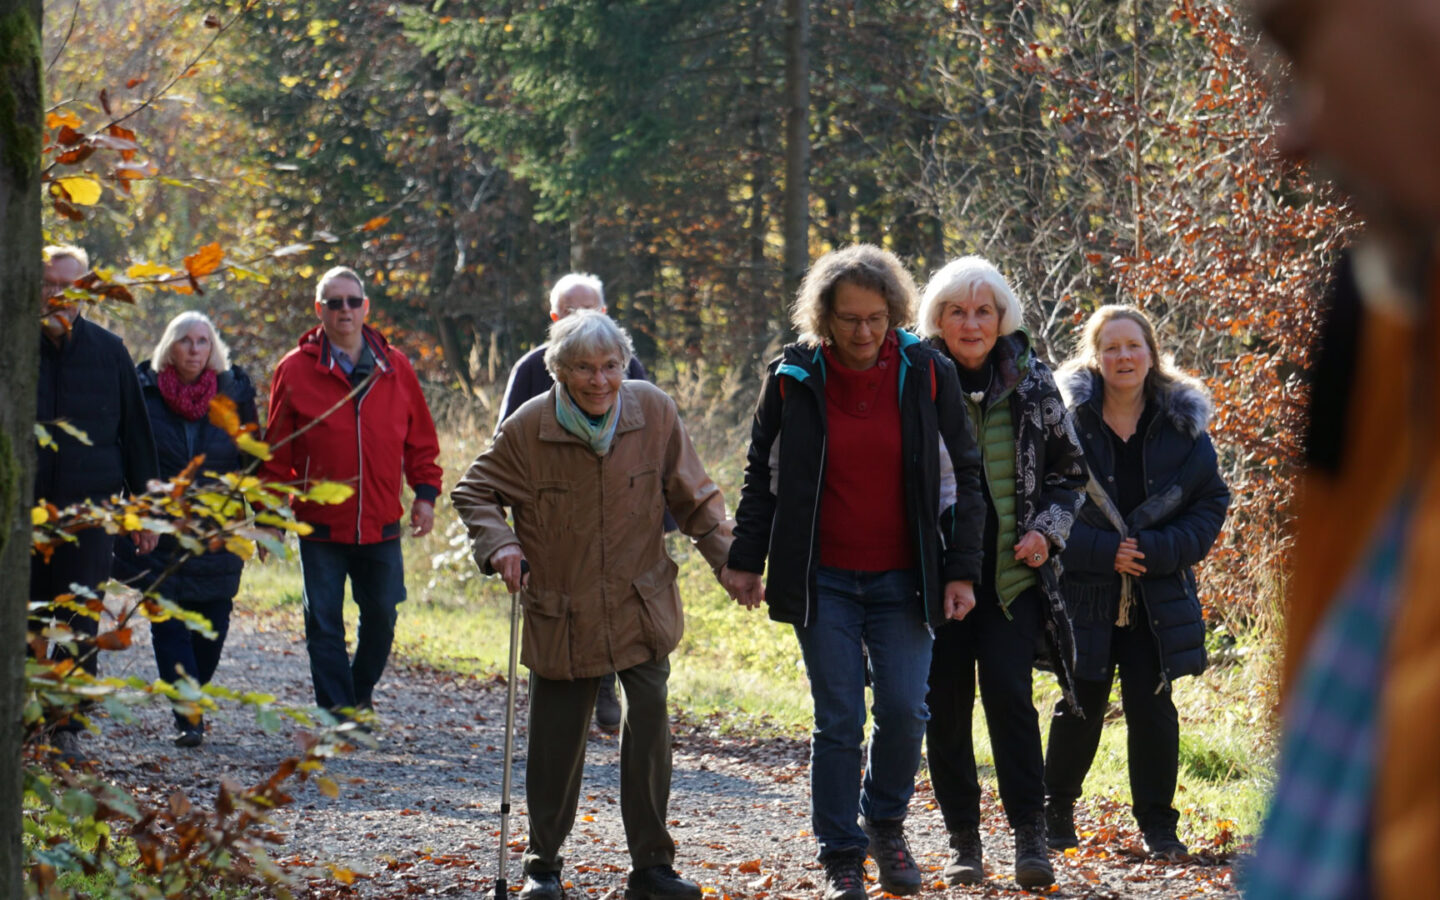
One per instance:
(346, 407)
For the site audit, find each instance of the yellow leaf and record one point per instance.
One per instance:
(150, 270)
(77, 433)
(131, 522)
(328, 492)
(43, 438)
(328, 787)
(64, 117)
(39, 516)
(240, 547)
(81, 190)
(248, 444)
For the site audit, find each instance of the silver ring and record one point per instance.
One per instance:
(1035, 556)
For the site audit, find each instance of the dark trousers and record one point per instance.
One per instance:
(1152, 732)
(1003, 650)
(377, 584)
(559, 729)
(181, 651)
(86, 562)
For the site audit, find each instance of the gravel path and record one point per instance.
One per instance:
(418, 815)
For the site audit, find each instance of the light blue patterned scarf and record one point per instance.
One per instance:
(575, 420)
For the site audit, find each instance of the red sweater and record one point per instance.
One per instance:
(862, 502)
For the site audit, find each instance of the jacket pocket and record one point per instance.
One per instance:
(553, 504)
(660, 605)
(546, 642)
(647, 496)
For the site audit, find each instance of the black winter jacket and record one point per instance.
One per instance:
(211, 576)
(779, 513)
(90, 382)
(1175, 526)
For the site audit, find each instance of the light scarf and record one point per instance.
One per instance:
(573, 419)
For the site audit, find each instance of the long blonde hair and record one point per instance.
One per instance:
(1163, 374)
(219, 350)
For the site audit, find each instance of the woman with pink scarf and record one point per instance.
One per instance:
(188, 369)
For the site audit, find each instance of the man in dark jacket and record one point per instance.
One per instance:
(529, 378)
(346, 407)
(87, 380)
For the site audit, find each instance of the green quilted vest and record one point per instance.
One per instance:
(996, 439)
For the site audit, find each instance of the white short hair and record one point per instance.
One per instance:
(331, 275)
(66, 251)
(568, 283)
(585, 332)
(219, 350)
(957, 280)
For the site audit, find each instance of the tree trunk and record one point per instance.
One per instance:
(20, 142)
(797, 144)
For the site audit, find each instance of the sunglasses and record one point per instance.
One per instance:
(338, 302)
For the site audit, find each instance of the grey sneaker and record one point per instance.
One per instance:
(607, 706)
(966, 862)
(1032, 859)
(898, 872)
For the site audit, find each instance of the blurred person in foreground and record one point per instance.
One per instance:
(345, 406)
(189, 367)
(587, 470)
(842, 496)
(1154, 506)
(1033, 482)
(87, 379)
(529, 378)
(1356, 811)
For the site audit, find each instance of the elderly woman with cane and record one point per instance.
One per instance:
(842, 496)
(587, 470)
(1033, 481)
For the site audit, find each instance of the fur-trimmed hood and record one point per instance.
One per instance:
(1186, 402)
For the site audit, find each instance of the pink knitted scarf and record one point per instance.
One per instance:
(191, 401)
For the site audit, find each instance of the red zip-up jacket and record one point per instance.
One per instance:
(370, 442)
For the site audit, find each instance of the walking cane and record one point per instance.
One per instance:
(501, 885)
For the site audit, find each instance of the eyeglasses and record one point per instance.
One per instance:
(875, 323)
(334, 303)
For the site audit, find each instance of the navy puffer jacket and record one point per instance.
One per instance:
(1175, 526)
(212, 576)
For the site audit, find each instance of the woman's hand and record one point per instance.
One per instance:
(1126, 558)
(1033, 549)
(959, 599)
(746, 587)
(507, 563)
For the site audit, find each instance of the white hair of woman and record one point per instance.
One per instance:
(219, 350)
(958, 280)
(585, 332)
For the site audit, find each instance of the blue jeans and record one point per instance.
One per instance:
(878, 611)
(377, 582)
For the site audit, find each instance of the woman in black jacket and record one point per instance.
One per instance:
(1033, 482)
(194, 366)
(1155, 504)
(842, 495)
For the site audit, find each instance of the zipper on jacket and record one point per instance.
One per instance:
(814, 524)
(1149, 622)
(359, 467)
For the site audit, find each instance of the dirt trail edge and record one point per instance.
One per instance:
(419, 815)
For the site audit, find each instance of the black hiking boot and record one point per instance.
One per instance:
(966, 862)
(1032, 859)
(607, 705)
(542, 886)
(898, 873)
(660, 883)
(1060, 825)
(844, 875)
(1161, 843)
